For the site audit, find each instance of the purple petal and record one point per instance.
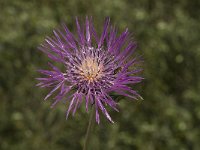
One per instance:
(80, 33)
(105, 30)
(50, 93)
(88, 36)
(104, 110)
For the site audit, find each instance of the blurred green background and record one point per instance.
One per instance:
(168, 36)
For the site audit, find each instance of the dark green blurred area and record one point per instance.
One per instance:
(168, 36)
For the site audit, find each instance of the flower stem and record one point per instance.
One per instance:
(89, 128)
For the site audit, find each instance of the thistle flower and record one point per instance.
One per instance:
(93, 67)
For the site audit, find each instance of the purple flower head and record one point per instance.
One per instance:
(94, 66)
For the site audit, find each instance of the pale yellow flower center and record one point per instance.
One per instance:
(91, 69)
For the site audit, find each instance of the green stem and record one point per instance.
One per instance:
(89, 128)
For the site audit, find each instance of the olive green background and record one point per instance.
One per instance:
(168, 36)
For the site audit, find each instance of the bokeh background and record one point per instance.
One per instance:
(168, 36)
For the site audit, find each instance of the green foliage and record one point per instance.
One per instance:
(168, 36)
